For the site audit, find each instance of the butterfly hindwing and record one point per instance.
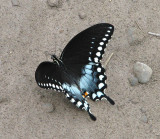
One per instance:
(48, 76)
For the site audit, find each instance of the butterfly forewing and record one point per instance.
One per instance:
(88, 45)
(82, 56)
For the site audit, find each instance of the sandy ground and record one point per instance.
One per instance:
(32, 29)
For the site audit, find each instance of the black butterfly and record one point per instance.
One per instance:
(78, 72)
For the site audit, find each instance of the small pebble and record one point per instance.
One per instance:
(3, 100)
(54, 3)
(134, 0)
(82, 15)
(144, 119)
(133, 80)
(15, 2)
(134, 101)
(143, 110)
(142, 72)
(48, 107)
(135, 36)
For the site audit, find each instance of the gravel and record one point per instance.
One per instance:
(135, 36)
(82, 15)
(15, 2)
(133, 80)
(142, 72)
(48, 107)
(144, 119)
(54, 3)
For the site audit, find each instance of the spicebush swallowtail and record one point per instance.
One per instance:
(78, 72)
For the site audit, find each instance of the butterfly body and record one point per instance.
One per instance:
(78, 72)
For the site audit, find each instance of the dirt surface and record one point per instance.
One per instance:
(31, 29)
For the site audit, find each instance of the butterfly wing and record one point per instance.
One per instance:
(48, 76)
(82, 56)
(51, 75)
(88, 45)
(84, 73)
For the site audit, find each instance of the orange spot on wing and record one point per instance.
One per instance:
(85, 94)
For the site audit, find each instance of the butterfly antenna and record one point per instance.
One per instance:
(109, 99)
(91, 115)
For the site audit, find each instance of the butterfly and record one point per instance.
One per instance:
(78, 72)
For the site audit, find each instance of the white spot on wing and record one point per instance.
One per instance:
(100, 85)
(101, 77)
(98, 54)
(67, 95)
(96, 59)
(79, 104)
(99, 94)
(108, 31)
(99, 69)
(100, 48)
(104, 39)
(72, 100)
(53, 85)
(101, 43)
(89, 58)
(106, 35)
(85, 106)
(57, 86)
(61, 88)
(93, 95)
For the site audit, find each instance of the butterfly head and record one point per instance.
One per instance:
(54, 57)
(56, 60)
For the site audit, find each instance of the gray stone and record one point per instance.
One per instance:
(54, 3)
(144, 119)
(143, 110)
(3, 100)
(15, 2)
(82, 15)
(142, 72)
(48, 107)
(135, 36)
(133, 80)
(134, 0)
